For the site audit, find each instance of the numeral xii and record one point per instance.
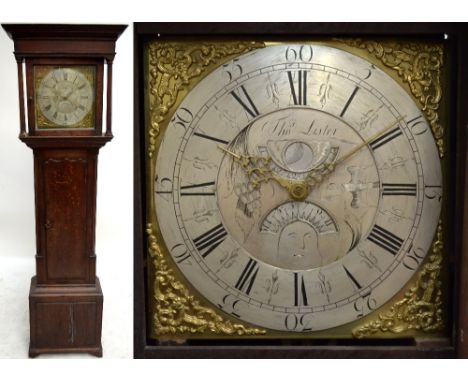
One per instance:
(299, 97)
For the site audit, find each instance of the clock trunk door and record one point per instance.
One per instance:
(64, 185)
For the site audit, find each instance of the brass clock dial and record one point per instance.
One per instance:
(65, 97)
(298, 187)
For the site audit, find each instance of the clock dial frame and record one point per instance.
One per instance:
(445, 46)
(344, 286)
(64, 95)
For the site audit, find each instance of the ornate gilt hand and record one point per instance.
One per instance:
(259, 169)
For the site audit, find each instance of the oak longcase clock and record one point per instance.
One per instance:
(61, 95)
(296, 189)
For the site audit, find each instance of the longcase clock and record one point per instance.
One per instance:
(65, 80)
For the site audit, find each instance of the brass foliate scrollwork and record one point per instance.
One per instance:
(419, 65)
(421, 307)
(177, 311)
(172, 67)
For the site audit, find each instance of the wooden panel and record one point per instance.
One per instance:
(65, 224)
(53, 325)
(84, 323)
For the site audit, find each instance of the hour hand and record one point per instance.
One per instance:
(318, 174)
(257, 169)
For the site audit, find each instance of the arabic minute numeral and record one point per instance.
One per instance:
(304, 53)
(180, 253)
(417, 125)
(413, 258)
(364, 305)
(297, 322)
(232, 70)
(230, 304)
(433, 192)
(183, 117)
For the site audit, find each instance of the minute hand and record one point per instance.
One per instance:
(365, 143)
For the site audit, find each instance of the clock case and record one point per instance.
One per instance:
(448, 345)
(65, 299)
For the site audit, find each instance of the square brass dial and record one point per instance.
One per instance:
(65, 96)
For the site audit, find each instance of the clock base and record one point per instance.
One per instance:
(65, 318)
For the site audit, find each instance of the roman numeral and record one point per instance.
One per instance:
(208, 241)
(48, 107)
(247, 103)
(350, 99)
(385, 138)
(199, 193)
(352, 278)
(299, 98)
(399, 189)
(300, 295)
(385, 239)
(247, 277)
(211, 138)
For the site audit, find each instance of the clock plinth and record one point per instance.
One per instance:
(65, 318)
(64, 90)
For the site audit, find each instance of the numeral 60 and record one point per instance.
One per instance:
(304, 53)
